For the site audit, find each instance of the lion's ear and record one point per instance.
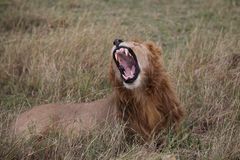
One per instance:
(153, 47)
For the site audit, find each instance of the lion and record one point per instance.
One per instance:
(143, 98)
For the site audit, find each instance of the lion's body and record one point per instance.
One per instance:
(70, 118)
(147, 105)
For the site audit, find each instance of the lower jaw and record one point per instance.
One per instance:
(135, 84)
(130, 80)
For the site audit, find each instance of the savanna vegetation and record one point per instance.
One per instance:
(59, 51)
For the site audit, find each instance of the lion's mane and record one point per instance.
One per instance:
(152, 107)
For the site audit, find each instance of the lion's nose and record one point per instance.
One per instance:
(116, 42)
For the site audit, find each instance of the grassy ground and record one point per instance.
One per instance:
(58, 51)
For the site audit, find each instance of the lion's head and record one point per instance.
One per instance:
(133, 62)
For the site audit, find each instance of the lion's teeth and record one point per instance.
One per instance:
(116, 57)
(126, 52)
(124, 76)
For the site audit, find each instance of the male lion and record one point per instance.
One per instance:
(142, 98)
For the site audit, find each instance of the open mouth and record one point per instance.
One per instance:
(127, 63)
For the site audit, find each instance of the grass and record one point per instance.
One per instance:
(58, 51)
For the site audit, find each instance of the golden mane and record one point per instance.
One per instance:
(153, 106)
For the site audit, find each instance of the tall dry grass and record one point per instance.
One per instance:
(59, 51)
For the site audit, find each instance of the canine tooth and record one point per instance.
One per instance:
(124, 76)
(116, 57)
(126, 52)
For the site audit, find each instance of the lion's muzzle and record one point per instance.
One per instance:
(126, 62)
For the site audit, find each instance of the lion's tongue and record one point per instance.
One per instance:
(129, 69)
(128, 63)
(129, 73)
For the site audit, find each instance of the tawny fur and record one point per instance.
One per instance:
(146, 109)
